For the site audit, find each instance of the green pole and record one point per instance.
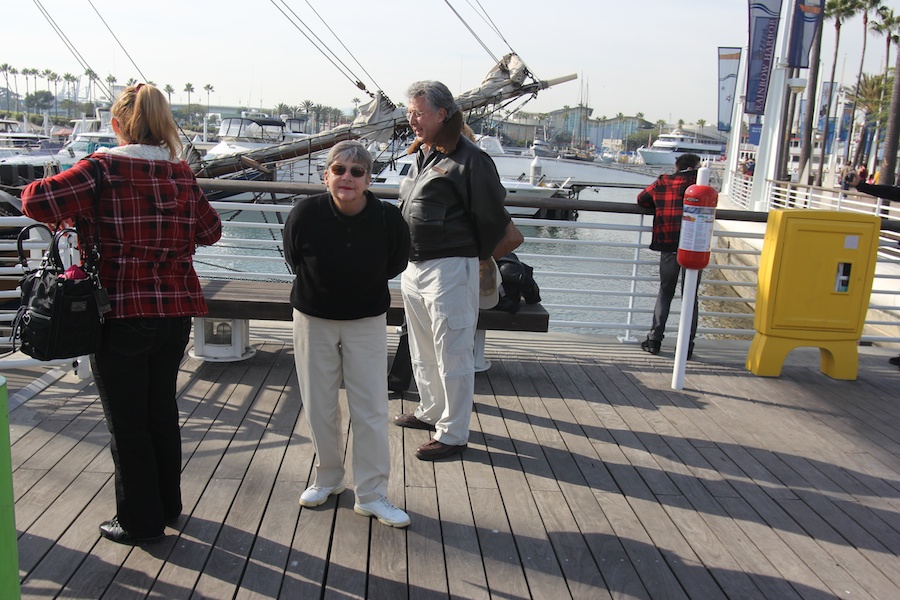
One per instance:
(9, 552)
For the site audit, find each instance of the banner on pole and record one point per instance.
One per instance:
(729, 61)
(806, 20)
(764, 16)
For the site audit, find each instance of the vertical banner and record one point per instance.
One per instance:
(806, 20)
(764, 16)
(729, 61)
(846, 117)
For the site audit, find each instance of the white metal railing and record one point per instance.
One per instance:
(596, 274)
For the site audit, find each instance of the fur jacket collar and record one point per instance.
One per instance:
(447, 139)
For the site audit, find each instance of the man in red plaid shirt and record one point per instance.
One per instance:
(664, 198)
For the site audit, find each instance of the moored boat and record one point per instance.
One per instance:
(670, 146)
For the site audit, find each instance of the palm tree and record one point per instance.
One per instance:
(680, 123)
(888, 25)
(892, 133)
(356, 102)
(863, 6)
(55, 78)
(111, 80)
(840, 11)
(189, 88)
(318, 109)
(46, 73)
(69, 79)
(4, 68)
(661, 123)
(15, 73)
(701, 123)
(869, 96)
(91, 77)
(209, 89)
(620, 118)
(131, 81)
(307, 107)
(169, 89)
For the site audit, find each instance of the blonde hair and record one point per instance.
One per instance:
(144, 117)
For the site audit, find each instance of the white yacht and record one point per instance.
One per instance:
(14, 135)
(670, 146)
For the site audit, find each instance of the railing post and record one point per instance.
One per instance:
(9, 564)
(627, 336)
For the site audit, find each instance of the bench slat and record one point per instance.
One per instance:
(270, 301)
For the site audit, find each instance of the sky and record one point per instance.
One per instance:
(657, 57)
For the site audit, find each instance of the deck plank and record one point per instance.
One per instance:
(586, 476)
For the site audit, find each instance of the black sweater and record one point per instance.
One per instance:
(342, 264)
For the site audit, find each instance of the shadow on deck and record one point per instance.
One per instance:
(586, 477)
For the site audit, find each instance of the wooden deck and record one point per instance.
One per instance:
(587, 476)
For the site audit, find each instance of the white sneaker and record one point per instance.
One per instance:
(384, 511)
(315, 495)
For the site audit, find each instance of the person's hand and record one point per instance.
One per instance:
(852, 179)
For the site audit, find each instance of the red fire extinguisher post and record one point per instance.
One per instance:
(694, 246)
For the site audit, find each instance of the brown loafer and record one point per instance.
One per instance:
(435, 450)
(412, 422)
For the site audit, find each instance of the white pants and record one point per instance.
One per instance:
(327, 351)
(440, 298)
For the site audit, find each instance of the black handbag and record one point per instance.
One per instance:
(61, 314)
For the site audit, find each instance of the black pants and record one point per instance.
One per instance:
(136, 370)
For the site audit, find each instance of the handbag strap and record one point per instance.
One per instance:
(24, 235)
(93, 258)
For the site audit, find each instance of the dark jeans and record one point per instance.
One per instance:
(136, 370)
(669, 270)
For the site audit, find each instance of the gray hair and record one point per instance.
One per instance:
(437, 95)
(350, 151)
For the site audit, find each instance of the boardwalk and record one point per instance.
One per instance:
(587, 476)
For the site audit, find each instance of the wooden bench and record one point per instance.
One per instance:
(242, 301)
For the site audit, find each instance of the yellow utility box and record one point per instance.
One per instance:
(815, 277)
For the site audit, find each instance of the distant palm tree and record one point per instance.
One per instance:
(15, 73)
(91, 77)
(318, 109)
(209, 89)
(55, 78)
(840, 11)
(46, 73)
(680, 123)
(111, 80)
(4, 68)
(169, 89)
(356, 102)
(189, 88)
(131, 81)
(307, 106)
(701, 123)
(661, 123)
(620, 119)
(69, 79)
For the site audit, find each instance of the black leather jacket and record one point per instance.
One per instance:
(452, 201)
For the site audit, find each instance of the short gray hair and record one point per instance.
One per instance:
(350, 151)
(436, 94)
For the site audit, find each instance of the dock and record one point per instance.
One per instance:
(586, 476)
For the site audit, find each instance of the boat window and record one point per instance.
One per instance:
(404, 170)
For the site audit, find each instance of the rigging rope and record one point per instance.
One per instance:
(102, 20)
(65, 40)
(343, 68)
(475, 35)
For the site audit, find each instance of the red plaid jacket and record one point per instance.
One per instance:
(152, 216)
(665, 197)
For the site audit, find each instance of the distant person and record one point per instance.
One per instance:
(452, 199)
(152, 216)
(344, 246)
(749, 167)
(665, 199)
(889, 193)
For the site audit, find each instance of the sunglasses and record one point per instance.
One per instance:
(355, 170)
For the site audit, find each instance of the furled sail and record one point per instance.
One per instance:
(380, 120)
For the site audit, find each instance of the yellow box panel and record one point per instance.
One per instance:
(816, 274)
